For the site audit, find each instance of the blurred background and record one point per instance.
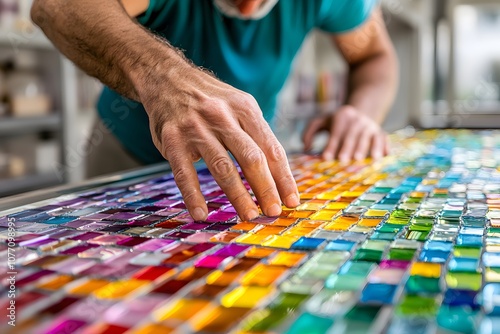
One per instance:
(449, 54)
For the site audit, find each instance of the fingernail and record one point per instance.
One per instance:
(376, 155)
(328, 156)
(251, 214)
(292, 200)
(274, 210)
(199, 214)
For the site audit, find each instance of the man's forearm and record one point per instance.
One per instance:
(105, 42)
(373, 84)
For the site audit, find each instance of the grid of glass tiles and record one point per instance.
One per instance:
(410, 244)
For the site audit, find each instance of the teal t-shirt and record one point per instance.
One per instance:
(252, 55)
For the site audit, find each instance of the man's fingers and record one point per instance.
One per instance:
(377, 150)
(275, 161)
(312, 128)
(361, 150)
(348, 145)
(187, 180)
(225, 173)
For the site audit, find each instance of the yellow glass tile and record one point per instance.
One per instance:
(88, 286)
(331, 195)
(285, 222)
(287, 259)
(418, 194)
(263, 275)
(222, 278)
(281, 241)
(119, 289)
(309, 206)
(244, 226)
(375, 213)
(245, 296)
(353, 194)
(299, 231)
(153, 329)
(310, 223)
(217, 319)
(324, 214)
(269, 230)
(55, 283)
(334, 226)
(300, 214)
(346, 220)
(179, 311)
(426, 269)
(307, 196)
(251, 239)
(369, 222)
(336, 205)
(259, 252)
(360, 229)
(491, 275)
(429, 181)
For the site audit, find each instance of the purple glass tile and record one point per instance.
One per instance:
(88, 309)
(35, 243)
(180, 205)
(169, 212)
(94, 226)
(264, 220)
(97, 216)
(139, 222)
(86, 236)
(221, 217)
(153, 218)
(125, 216)
(195, 226)
(153, 244)
(150, 208)
(219, 227)
(29, 236)
(199, 237)
(115, 228)
(101, 253)
(167, 202)
(131, 312)
(132, 241)
(109, 239)
(209, 261)
(77, 223)
(174, 248)
(124, 271)
(63, 325)
(71, 202)
(177, 235)
(394, 264)
(49, 207)
(202, 247)
(61, 234)
(121, 259)
(230, 250)
(72, 266)
(85, 212)
(170, 224)
(78, 249)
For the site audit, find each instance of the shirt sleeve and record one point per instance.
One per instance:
(338, 16)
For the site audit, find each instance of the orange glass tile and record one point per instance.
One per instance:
(298, 231)
(285, 222)
(259, 252)
(207, 291)
(440, 191)
(119, 289)
(225, 236)
(268, 230)
(307, 195)
(244, 226)
(310, 223)
(281, 241)
(245, 296)
(324, 214)
(285, 212)
(369, 222)
(251, 239)
(192, 273)
(217, 319)
(287, 259)
(88, 286)
(103, 328)
(179, 311)
(153, 329)
(346, 199)
(336, 205)
(263, 275)
(418, 194)
(310, 206)
(222, 278)
(55, 283)
(300, 214)
(243, 263)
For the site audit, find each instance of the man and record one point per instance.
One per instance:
(208, 85)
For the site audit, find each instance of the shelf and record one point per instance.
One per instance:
(18, 125)
(26, 183)
(18, 39)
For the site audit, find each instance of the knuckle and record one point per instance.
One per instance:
(213, 106)
(222, 167)
(277, 153)
(253, 157)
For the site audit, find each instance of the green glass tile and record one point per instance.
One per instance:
(468, 252)
(364, 313)
(345, 282)
(417, 235)
(438, 196)
(420, 227)
(296, 285)
(359, 268)
(417, 305)
(401, 254)
(313, 270)
(310, 324)
(288, 301)
(390, 228)
(383, 236)
(459, 319)
(401, 213)
(424, 221)
(264, 320)
(464, 281)
(420, 284)
(413, 200)
(378, 245)
(379, 190)
(368, 255)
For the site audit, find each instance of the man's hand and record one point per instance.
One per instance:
(353, 135)
(193, 115)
